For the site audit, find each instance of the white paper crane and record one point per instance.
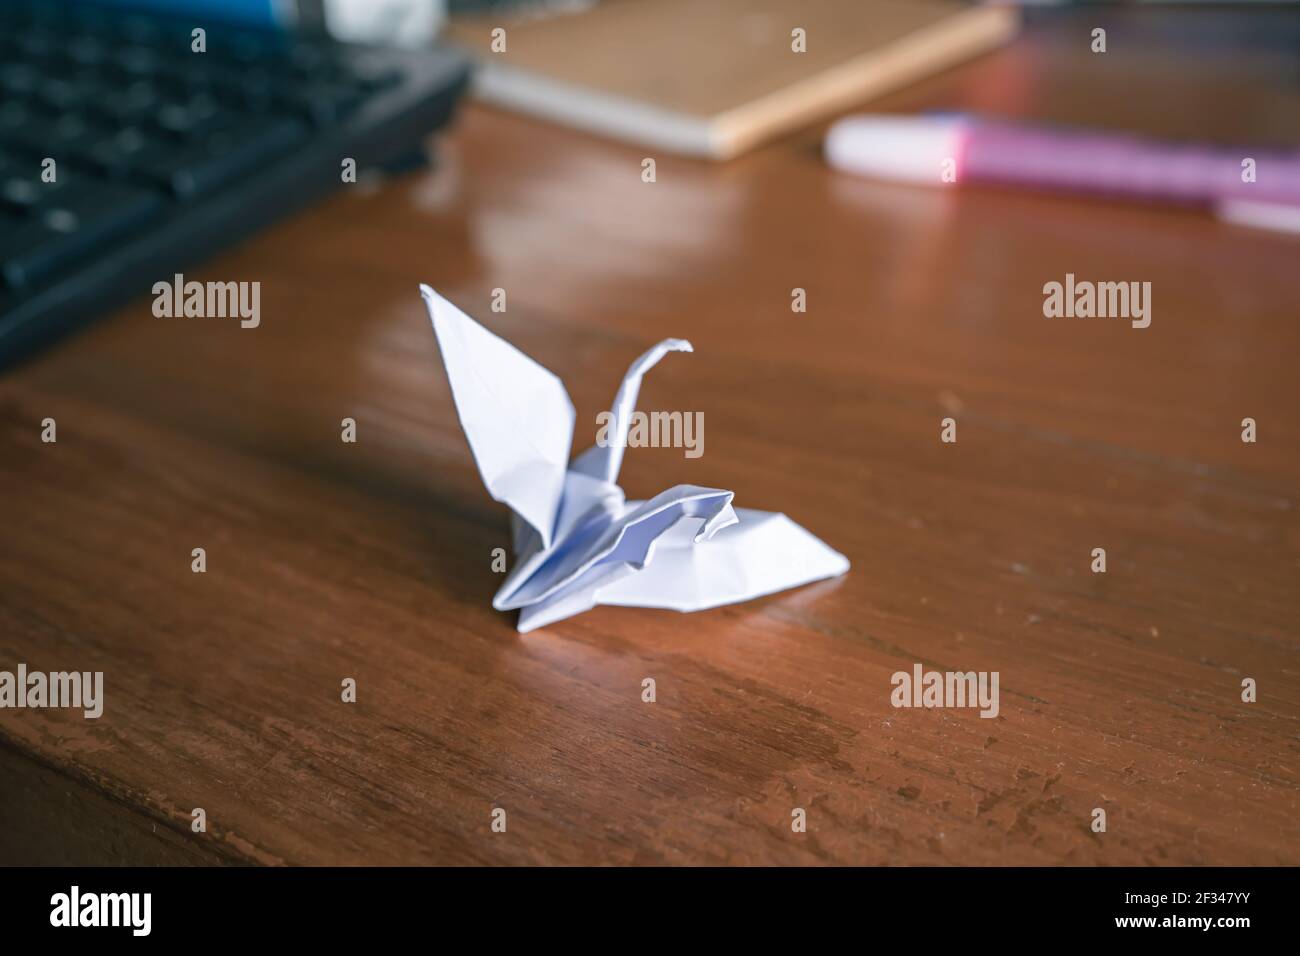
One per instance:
(577, 541)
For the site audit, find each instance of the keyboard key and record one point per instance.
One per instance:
(138, 61)
(374, 74)
(194, 170)
(138, 29)
(249, 89)
(69, 229)
(57, 135)
(59, 94)
(24, 192)
(245, 48)
(13, 163)
(321, 104)
(13, 117)
(87, 50)
(115, 155)
(139, 100)
(39, 45)
(20, 193)
(197, 115)
(19, 80)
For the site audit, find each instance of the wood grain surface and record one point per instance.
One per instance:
(372, 560)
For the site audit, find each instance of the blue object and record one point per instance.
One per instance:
(261, 12)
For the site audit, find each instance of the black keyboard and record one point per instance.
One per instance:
(125, 154)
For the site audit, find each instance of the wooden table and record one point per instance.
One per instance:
(372, 560)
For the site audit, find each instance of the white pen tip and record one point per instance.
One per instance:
(909, 148)
(1279, 217)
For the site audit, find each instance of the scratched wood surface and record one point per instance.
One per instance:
(372, 561)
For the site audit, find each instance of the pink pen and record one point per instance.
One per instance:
(939, 149)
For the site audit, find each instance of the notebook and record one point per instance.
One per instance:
(717, 77)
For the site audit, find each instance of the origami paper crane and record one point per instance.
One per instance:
(577, 541)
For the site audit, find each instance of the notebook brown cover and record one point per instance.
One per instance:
(716, 77)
